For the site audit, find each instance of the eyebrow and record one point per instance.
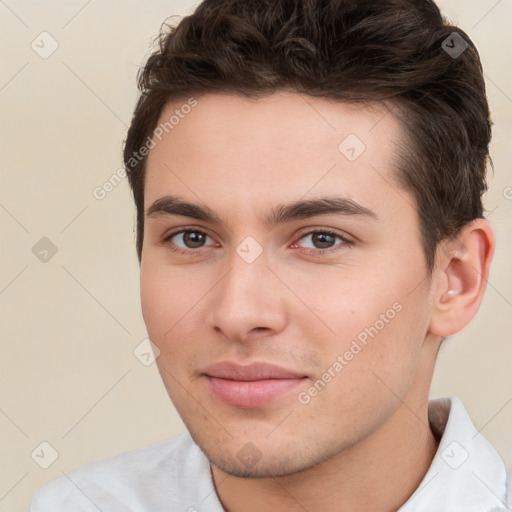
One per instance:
(300, 209)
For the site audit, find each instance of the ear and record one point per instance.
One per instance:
(461, 273)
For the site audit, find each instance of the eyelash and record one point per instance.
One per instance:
(312, 252)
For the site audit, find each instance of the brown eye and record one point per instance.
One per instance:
(194, 239)
(321, 240)
(188, 239)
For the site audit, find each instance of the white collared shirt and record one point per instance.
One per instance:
(466, 475)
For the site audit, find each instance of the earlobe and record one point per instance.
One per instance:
(462, 271)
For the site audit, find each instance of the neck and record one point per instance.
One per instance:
(379, 473)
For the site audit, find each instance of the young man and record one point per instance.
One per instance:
(308, 178)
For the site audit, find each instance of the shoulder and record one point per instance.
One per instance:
(509, 486)
(138, 480)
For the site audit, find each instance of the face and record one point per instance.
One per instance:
(282, 277)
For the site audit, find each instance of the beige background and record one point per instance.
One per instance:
(68, 375)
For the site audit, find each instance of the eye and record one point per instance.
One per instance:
(187, 239)
(321, 240)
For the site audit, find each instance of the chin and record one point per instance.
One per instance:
(261, 469)
(246, 459)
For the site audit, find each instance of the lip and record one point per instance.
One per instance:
(250, 386)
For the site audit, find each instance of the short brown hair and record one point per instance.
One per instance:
(395, 51)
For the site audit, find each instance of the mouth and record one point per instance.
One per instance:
(250, 386)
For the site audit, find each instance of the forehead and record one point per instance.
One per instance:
(230, 150)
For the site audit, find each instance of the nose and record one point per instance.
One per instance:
(248, 302)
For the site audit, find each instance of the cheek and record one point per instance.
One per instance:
(163, 301)
(374, 321)
(389, 345)
(168, 296)
(155, 301)
(339, 302)
(173, 303)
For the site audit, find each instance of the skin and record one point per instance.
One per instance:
(363, 441)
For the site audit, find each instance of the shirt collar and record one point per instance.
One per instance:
(466, 474)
